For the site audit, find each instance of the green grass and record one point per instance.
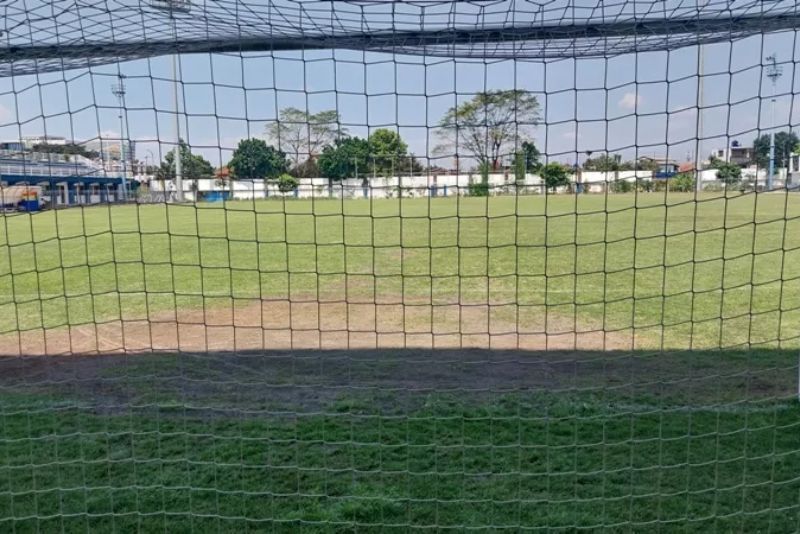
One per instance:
(719, 272)
(157, 443)
(532, 461)
(393, 440)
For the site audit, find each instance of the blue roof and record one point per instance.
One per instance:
(14, 179)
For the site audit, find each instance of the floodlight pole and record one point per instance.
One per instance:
(698, 158)
(119, 91)
(171, 7)
(774, 71)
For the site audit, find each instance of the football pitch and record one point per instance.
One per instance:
(560, 396)
(592, 271)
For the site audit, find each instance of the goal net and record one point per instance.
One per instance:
(376, 265)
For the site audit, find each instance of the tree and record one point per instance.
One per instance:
(193, 166)
(68, 148)
(526, 160)
(388, 152)
(607, 163)
(489, 125)
(728, 173)
(683, 183)
(299, 132)
(347, 158)
(554, 175)
(785, 144)
(287, 183)
(255, 159)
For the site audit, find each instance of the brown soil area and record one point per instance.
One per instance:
(277, 325)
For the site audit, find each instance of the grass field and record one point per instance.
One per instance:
(391, 438)
(660, 271)
(322, 441)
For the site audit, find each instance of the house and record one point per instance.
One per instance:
(744, 156)
(662, 167)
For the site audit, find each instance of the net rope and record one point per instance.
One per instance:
(429, 265)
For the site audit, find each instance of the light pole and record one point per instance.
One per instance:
(119, 91)
(774, 71)
(172, 7)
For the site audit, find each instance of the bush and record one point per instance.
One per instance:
(714, 187)
(287, 183)
(645, 186)
(621, 186)
(683, 183)
(478, 189)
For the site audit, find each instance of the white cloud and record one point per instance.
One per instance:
(630, 101)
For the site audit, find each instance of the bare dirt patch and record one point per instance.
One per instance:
(281, 324)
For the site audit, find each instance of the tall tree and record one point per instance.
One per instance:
(489, 125)
(388, 152)
(300, 133)
(526, 160)
(193, 166)
(785, 144)
(255, 159)
(346, 158)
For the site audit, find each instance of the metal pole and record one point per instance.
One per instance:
(771, 171)
(700, 102)
(178, 165)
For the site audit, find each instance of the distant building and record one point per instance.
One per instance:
(663, 167)
(744, 156)
(109, 149)
(30, 141)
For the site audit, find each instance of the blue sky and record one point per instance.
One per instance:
(636, 104)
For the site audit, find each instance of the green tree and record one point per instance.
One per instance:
(346, 158)
(300, 133)
(785, 144)
(193, 166)
(287, 183)
(68, 148)
(683, 183)
(255, 159)
(728, 173)
(388, 152)
(607, 163)
(554, 175)
(526, 160)
(489, 125)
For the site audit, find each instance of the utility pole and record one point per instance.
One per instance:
(172, 7)
(118, 90)
(774, 71)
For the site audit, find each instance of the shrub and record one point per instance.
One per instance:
(683, 183)
(478, 189)
(714, 187)
(646, 186)
(729, 173)
(287, 183)
(621, 186)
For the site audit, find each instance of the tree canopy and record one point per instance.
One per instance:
(607, 163)
(68, 148)
(300, 133)
(785, 144)
(255, 159)
(489, 125)
(193, 166)
(728, 173)
(554, 175)
(388, 152)
(346, 158)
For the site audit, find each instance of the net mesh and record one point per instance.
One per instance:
(490, 265)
